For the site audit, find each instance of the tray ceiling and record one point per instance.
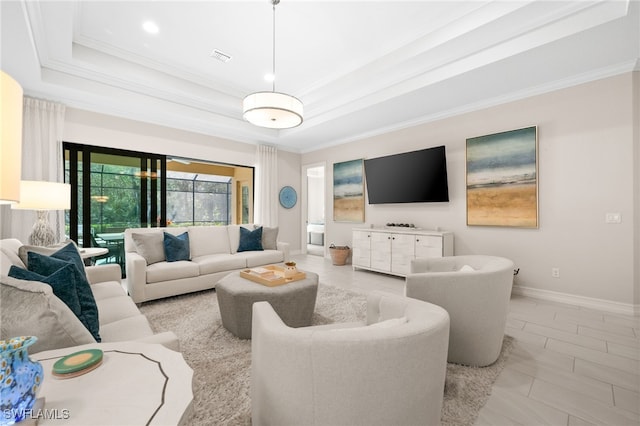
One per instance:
(360, 67)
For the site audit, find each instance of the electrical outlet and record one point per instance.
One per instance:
(555, 272)
(613, 218)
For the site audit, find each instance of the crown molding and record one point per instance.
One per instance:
(599, 74)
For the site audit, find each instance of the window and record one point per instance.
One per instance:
(196, 199)
(205, 193)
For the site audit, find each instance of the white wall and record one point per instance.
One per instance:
(90, 128)
(636, 180)
(586, 169)
(290, 220)
(588, 166)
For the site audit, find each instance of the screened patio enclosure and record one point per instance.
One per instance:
(113, 190)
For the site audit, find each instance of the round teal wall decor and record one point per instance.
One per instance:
(288, 197)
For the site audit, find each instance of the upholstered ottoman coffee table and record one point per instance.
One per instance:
(294, 302)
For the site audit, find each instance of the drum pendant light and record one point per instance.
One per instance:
(273, 110)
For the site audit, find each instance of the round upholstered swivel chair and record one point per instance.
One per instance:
(475, 290)
(389, 370)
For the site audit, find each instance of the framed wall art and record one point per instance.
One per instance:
(348, 191)
(502, 179)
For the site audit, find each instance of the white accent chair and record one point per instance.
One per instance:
(475, 290)
(389, 370)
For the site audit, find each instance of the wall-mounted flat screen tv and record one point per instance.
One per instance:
(410, 177)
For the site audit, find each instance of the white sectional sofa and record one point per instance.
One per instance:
(31, 308)
(213, 254)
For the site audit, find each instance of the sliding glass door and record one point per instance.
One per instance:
(115, 190)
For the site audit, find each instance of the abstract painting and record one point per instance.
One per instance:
(348, 191)
(502, 179)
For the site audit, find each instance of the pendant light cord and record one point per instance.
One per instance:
(274, 46)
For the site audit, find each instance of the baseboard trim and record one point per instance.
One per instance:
(572, 299)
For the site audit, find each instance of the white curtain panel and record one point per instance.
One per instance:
(266, 207)
(42, 130)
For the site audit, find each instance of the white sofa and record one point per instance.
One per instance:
(31, 308)
(387, 371)
(213, 254)
(475, 290)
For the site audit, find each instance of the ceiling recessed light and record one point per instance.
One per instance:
(150, 27)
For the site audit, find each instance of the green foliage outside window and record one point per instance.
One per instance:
(115, 199)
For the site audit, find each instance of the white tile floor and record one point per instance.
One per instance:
(570, 366)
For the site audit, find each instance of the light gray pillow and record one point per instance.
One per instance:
(269, 238)
(11, 258)
(30, 308)
(150, 245)
(46, 251)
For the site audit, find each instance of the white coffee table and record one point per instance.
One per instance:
(137, 384)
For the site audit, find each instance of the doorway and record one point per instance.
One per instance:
(315, 209)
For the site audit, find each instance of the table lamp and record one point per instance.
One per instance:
(43, 196)
(10, 139)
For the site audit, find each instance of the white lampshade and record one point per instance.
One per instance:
(10, 139)
(41, 195)
(273, 110)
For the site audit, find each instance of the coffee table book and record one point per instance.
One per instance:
(270, 275)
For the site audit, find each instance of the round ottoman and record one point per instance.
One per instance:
(294, 302)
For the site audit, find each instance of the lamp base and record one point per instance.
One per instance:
(42, 234)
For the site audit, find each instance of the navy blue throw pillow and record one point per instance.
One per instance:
(176, 247)
(62, 281)
(250, 240)
(47, 265)
(70, 254)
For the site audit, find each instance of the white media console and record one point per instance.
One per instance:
(391, 249)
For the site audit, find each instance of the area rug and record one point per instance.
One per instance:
(221, 362)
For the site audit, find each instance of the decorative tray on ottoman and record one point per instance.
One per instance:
(270, 275)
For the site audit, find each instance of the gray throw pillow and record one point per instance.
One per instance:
(30, 308)
(150, 245)
(269, 238)
(47, 251)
